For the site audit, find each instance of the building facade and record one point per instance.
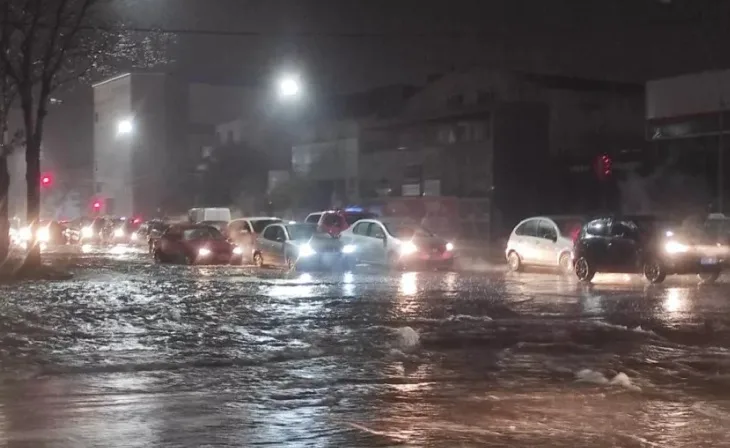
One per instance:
(149, 132)
(687, 126)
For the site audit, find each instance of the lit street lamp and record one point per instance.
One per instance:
(289, 87)
(125, 127)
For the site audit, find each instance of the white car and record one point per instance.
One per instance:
(244, 231)
(397, 243)
(543, 241)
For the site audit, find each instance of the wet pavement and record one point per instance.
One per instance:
(132, 354)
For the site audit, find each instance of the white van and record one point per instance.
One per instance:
(196, 215)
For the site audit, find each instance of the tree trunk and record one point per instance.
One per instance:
(33, 185)
(4, 218)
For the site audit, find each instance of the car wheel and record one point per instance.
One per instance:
(654, 272)
(514, 261)
(189, 260)
(707, 278)
(258, 260)
(157, 255)
(565, 263)
(583, 270)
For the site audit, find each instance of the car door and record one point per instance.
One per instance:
(594, 243)
(547, 244)
(171, 243)
(526, 242)
(623, 246)
(377, 243)
(267, 244)
(358, 237)
(278, 245)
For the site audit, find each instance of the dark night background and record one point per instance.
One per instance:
(351, 45)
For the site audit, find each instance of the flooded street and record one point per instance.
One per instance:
(132, 354)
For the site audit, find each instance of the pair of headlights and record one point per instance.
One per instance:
(204, 251)
(43, 235)
(306, 250)
(410, 248)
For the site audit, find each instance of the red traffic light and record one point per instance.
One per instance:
(604, 167)
(46, 180)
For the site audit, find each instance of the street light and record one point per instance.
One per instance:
(290, 86)
(125, 127)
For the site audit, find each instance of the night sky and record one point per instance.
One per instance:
(352, 45)
(405, 40)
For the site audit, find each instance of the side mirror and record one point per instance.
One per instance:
(280, 239)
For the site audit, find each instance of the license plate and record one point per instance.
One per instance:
(709, 260)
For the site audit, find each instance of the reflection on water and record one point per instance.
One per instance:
(676, 300)
(409, 284)
(348, 287)
(450, 281)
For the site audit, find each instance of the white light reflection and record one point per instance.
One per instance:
(409, 284)
(676, 300)
(87, 248)
(450, 282)
(348, 288)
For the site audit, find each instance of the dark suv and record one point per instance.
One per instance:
(646, 245)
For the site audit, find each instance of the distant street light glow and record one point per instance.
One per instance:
(290, 86)
(125, 127)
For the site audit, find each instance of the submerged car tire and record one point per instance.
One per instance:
(654, 272)
(157, 255)
(514, 262)
(189, 260)
(565, 264)
(708, 278)
(258, 260)
(583, 270)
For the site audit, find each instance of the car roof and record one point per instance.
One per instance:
(258, 218)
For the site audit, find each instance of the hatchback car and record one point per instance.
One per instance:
(301, 246)
(244, 231)
(398, 244)
(195, 244)
(647, 245)
(543, 241)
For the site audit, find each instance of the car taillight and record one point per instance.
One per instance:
(575, 235)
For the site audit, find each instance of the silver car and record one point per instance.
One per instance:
(543, 241)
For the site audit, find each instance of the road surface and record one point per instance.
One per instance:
(133, 354)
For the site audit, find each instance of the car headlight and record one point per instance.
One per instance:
(305, 250)
(237, 251)
(449, 247)
(408, 248)
(43, 235)
(203, 252)
(119, 233)
(675, 247)
(26, 234)
(87, 232)
(348, 248)
(134, 237)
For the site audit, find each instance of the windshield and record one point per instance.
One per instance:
(301, 232)
(203, 233)
(406, 231)
(260, 224)
(352, 218)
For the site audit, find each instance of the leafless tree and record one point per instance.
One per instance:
(50, 43)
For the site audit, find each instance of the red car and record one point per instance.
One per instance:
(195, 244)
(335, 221)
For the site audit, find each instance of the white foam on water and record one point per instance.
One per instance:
(623, 380)
(592, 377)
(711, 411)
(408, 338)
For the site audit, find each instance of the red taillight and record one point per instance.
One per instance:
(575, 234)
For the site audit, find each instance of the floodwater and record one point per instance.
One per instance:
(131, 354)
